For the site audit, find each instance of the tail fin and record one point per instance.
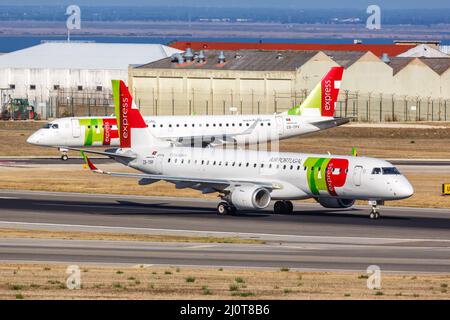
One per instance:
(127, 114)
(322, 100)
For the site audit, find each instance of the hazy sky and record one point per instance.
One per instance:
(388, 4)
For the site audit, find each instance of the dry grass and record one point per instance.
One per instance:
(72, 235)
(39, 281)
(72, 178)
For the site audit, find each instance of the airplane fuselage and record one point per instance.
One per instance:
(185, 130)
(293, 175)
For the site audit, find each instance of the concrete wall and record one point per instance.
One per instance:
(46, 79)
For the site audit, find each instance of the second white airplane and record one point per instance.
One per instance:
(314, 114)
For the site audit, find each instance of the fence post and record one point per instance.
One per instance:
(346, 103)
(381, 108)
(432, 110)
(445, 111)
(173, 103)
(393, 108)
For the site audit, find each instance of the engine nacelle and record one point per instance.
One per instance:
(250, 197)
(335, 203)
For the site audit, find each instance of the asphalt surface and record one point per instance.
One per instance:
(404, 240)
(103, 160)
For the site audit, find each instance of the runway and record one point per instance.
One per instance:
(405, 240)
(102, 160)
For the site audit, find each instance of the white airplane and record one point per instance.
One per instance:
(251, 179)
(314, 114)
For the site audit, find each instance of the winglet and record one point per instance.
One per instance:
(88, 163)
(354, 152)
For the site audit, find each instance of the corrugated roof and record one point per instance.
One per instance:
(345, 58)
(397, 64)
(377, 49)
(78, 55)
(439, 65)
(249, 60)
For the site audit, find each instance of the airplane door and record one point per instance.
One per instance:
(357, 175)
(159, 163)
(76, 130)
(280, 125)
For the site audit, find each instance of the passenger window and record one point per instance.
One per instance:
(161, 125)
(262, 124)
(254, 165)
(262, 165)
(284, 167)
(185, 125)
(240, 124)
(168, 160)
(292, 167)
(154, 126)
(247, 124)
(269, 124)
(55, 126)
(232, 124)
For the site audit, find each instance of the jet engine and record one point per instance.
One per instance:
(335, 203)
(250, 197)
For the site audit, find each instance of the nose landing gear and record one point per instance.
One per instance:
(374, 213)
(64, 156)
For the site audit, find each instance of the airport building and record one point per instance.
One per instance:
(68, 75)
(374, 88)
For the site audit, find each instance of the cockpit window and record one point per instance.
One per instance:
(47, 126)
(55, 126)
(376, 171)
(390, 170)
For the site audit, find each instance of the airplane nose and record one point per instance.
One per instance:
(32, 139)
(404, 189)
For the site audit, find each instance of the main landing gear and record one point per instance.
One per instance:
(224, 208)
(283, 207)
(374, 213)
(280, 207)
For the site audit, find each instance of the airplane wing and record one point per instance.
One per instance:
(334, 122)
(214, 140)
(103, 153)
(206, 185)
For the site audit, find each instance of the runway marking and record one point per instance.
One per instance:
(202, 246)
(209, 232)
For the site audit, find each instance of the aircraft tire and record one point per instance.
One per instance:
(289, 207)
(223, 209)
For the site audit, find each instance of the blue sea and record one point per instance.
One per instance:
(13, 43)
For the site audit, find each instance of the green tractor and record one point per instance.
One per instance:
(21, 109)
